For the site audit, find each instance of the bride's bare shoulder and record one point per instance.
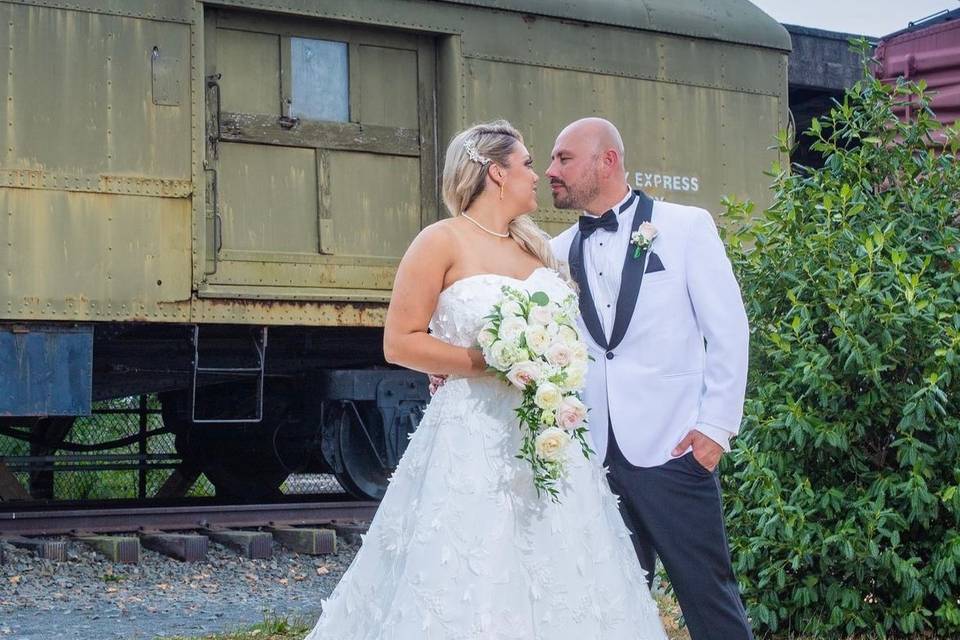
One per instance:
(436, 245)
(440, 235)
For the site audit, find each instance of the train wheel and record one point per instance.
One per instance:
(361, 448)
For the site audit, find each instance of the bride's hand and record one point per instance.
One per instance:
(436, 381)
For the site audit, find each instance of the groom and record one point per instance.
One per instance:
(668, 334)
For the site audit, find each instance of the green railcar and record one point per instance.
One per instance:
(208, 200)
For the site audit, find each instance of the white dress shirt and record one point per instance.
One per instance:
(603, 254)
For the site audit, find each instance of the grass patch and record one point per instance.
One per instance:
(272, 628)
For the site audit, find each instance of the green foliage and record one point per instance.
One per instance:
(844, 488)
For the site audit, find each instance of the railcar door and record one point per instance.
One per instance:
(320, 156)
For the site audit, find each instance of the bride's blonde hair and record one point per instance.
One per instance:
(464, 178)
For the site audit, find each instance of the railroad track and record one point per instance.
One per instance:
(173, 518)
(183, 531)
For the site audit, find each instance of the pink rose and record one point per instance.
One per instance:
(523, 374)
(559, 354)
(571, 413)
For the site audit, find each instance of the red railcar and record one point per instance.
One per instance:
(929, 50)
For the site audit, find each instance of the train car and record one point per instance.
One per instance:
(927, 50)
(207, 200)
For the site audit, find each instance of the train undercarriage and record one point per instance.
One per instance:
(247, 406)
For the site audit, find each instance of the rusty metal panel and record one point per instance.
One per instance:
(686, 144)
(388, 86)
(374, 203)
(77, 251)
(268, 198)
(78, 96)
(250, 65)
(165, 10)
(247, 306)
(166, 77)
(616, 51)
(296, 277)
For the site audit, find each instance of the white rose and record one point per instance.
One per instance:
(553, 328)
(487, 336)
(559, 354)
(551, 444)
(512, 327)
(576, 377)
(540, 315)
(579, 354)
(501, 355)
(648, 231)
(571, 413)
(548, 396)
(523, 373)
(537, 339)
(568, 334)
(511, 308)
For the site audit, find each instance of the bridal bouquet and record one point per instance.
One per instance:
(532, 343)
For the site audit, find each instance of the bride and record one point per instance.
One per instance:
(461, 545)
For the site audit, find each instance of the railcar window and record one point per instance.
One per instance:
(320, 80)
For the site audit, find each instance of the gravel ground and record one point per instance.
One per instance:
(88, 598)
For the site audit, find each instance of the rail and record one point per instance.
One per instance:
(177, 518)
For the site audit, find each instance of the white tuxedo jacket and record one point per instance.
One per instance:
(676, 355)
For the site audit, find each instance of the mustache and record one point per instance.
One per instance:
(557, 183)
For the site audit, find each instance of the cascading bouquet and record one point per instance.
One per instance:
(532, 343)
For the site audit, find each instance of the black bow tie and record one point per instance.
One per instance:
(589, 224)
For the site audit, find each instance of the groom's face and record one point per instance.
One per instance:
(574, 171)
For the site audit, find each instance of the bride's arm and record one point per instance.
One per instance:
(416, 289)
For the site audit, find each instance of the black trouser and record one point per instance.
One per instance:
(674, 511)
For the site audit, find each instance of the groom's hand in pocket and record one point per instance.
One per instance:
(706, 451)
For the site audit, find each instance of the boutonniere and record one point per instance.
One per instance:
(642, 238)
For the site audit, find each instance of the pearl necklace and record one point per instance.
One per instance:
(493, 233)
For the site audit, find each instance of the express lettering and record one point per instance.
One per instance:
(644, 180)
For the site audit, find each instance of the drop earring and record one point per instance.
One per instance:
(501, 191)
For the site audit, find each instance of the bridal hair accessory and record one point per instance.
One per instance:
(470, 146)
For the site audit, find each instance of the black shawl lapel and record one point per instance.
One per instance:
(631, 277)
(588, 309)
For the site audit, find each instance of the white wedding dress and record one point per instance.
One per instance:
(461, 546)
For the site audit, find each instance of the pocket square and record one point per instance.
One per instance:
(654, 264)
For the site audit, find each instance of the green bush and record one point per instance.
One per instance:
(843, 490)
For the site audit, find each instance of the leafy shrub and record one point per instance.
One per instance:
(844, 488)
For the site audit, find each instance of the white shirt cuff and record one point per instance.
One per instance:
(718, 435)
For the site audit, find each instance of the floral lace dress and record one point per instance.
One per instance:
(462, 547)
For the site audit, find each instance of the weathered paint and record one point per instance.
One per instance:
(47, 370)
(931, 54)
(670, 130)
(109, 213)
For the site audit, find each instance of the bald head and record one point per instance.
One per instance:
(596, 133)
(586, 167)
